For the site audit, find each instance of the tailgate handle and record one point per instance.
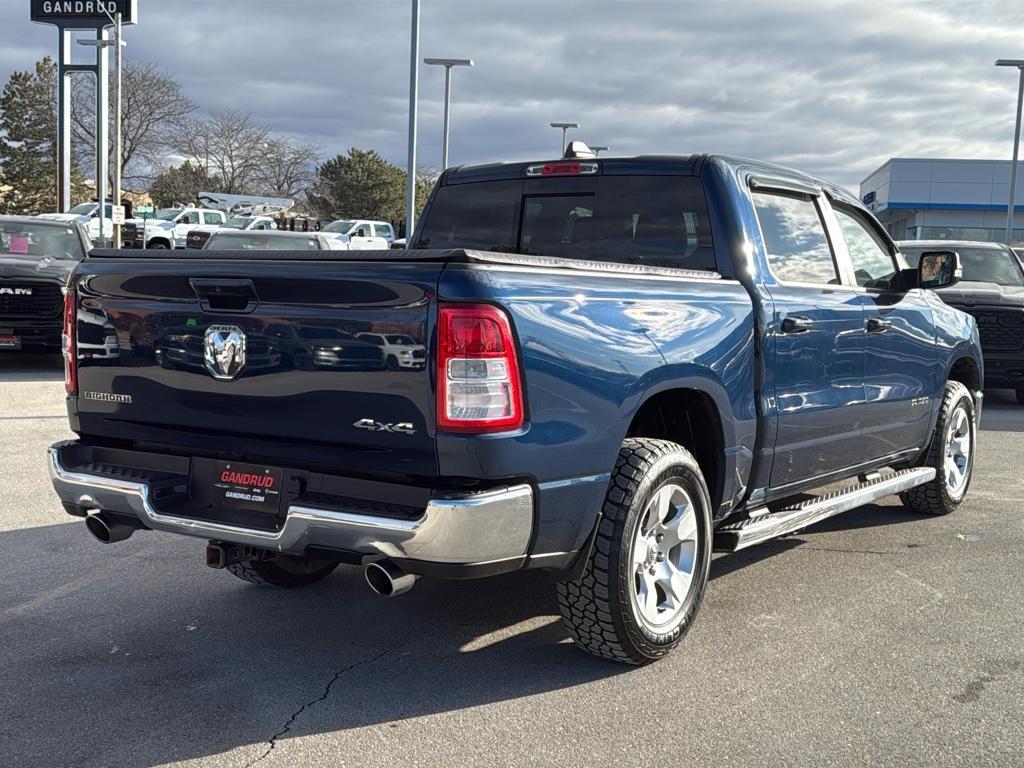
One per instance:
(222, 294)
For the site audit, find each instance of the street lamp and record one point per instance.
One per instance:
(447, 64)
(1019, 64)
(599, 150)
(565, 127)
(117, 43)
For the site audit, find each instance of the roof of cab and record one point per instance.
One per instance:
(651, 165)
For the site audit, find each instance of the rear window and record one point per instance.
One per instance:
(257, 241)
(659, 221)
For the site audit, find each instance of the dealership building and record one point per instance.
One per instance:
(932, 199)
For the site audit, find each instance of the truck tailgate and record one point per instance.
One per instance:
(335, 362)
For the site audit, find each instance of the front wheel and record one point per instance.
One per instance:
(951, 454)
(649, 565)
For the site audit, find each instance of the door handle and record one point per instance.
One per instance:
(796, 324)
(878, 324)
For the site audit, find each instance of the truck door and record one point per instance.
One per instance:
(901, 360)
(361, 238)
(186, 222)
(817, 335)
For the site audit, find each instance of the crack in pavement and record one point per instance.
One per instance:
(272, 742)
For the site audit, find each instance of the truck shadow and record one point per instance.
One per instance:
(31, 366)
(136, 654)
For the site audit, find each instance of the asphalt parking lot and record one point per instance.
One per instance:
(876, 638)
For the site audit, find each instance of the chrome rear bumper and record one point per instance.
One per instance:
(473, 529)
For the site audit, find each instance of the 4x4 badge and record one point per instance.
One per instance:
(224, 351)
(402, 427)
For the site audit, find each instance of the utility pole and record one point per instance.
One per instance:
(414, 82)
(1019, 64)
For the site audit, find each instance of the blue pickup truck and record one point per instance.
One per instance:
(620, 366)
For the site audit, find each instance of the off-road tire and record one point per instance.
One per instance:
(934, 498)
(284, 572)
(597, 609)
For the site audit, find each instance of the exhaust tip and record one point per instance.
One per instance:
(387, 579)
(108, 530)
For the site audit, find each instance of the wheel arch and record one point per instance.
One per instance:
(966, 370)
(690, 416)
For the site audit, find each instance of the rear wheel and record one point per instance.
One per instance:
(646, 575)
(951, 454)
(285, 571)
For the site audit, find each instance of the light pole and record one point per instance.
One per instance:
(447, 64)
(599, 150)
(414, 85)
(1019, 64)
(565, 127)
(102, 44)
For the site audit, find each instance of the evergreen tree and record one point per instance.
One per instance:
(28, 143)
(360, 185)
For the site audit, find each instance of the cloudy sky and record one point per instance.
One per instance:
(833, 88)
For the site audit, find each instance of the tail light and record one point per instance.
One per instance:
(478, 381)
(68, 344)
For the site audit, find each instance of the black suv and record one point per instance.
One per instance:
(992, 290)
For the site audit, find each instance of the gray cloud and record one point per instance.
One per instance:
(832, 88)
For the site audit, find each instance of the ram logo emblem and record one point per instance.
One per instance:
(224, 351)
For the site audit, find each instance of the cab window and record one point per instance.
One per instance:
(873, 265)
(794, 237)
(211, 218)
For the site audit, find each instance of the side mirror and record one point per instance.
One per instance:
(939, 269)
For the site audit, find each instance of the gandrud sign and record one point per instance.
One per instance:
(57, 11)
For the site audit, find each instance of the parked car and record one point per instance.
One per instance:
(36, 259)
(225, 239)
(198, 237)
(398, 349)
(360, 235)
(991, 291)
(170, 227)
(630, 362)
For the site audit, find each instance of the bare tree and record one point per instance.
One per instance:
(228, 145)
(153, 109)
(288, 168)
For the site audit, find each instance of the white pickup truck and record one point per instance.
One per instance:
(86, 214)
(169, 228)
(360, 234)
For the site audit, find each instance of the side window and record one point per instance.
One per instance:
(212, 218)
(873, 266)
(189, 218)
(794, 236)
(383, 230)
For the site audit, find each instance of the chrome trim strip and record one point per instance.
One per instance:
(483, 527)
(767, 526)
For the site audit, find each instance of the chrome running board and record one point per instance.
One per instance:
(754, 530)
